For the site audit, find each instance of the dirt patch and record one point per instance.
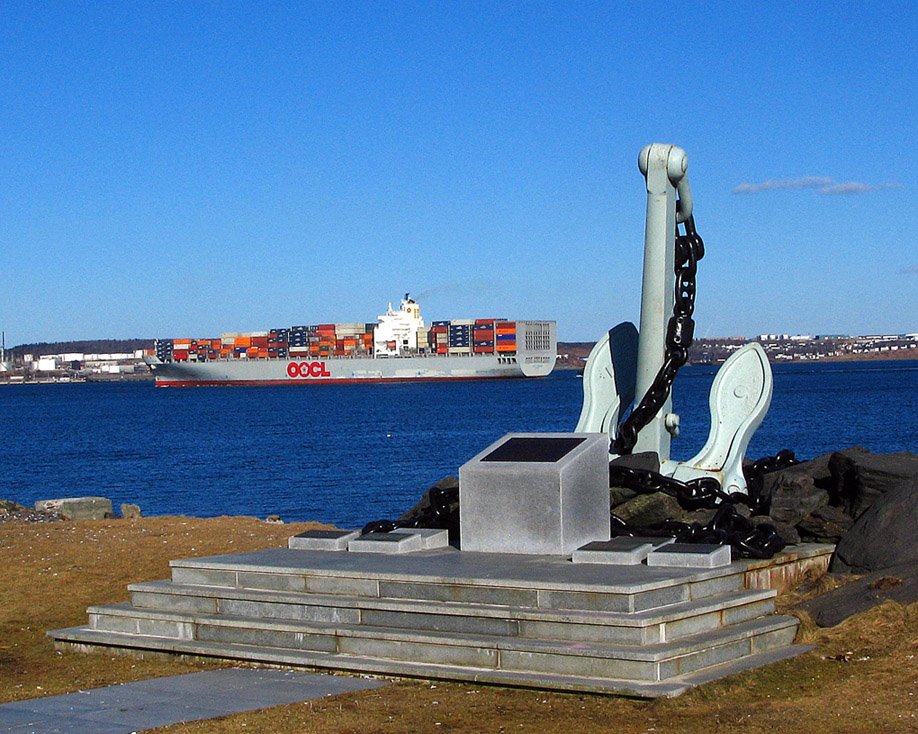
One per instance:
(861, 678)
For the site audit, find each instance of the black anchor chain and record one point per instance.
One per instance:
(680, 330)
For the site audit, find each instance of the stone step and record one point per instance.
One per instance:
(650, 626)
(85, 639)
(653, 662)
(541, 582)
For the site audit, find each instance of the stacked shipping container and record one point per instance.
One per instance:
(460, 336)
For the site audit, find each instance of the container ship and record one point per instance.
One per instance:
(398, 347)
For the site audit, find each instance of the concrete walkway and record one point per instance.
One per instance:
(133, 707)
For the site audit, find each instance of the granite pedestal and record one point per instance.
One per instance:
(536, 493)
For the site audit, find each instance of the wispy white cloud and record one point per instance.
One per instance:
(821, 184)
(807, 182)
(856, 187)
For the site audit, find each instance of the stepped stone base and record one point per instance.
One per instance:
(522, 620)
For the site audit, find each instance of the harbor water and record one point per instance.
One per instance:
(349, 454)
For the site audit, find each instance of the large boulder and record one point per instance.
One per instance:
(656, 508)
(859, 477)
(897, 583)
(826, 524)
(795, 496)
(884, 535)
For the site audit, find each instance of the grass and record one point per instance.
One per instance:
(862, 676)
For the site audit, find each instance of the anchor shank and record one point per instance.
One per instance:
(664, 168)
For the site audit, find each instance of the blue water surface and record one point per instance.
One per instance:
(348, 454)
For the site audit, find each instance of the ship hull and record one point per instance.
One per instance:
(349, 370)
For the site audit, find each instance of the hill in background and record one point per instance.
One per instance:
(89, 346)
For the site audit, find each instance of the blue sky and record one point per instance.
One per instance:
(184, 169)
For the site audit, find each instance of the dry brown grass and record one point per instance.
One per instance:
(50, 573)
(860, 679)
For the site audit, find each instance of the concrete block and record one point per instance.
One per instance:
(431, 537)
(266, 637)
(420, 651)
(203, 576)
(461, 593)
(691, 555)
(271, 581)
(716, 585)
(297, 612)
(623, 551)
(578, 665)
(463, 624)
(394, 542)
(342, 585)
(332, 540)
(173, 602)
(78, 508)
(536, 493)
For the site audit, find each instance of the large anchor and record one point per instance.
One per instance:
(624, 364)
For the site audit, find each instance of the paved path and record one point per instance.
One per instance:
(133, 707)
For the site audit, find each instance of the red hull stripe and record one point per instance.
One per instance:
(333, 381)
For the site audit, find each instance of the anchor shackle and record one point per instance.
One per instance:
(658, 158)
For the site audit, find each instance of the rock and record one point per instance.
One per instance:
(8, 506)
(274, 519)
(619, 495)
(12, 511)
(649, 509)
(652, 509)
(897, 583)
(448, 484)
(647, 460)
(817, 470)
(78, 508)
(883, 536)
(787, 532)
(130, 512)
(859, 476)
(794, 496)
(826, 524)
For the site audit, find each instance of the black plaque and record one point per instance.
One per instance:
(546, 449)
